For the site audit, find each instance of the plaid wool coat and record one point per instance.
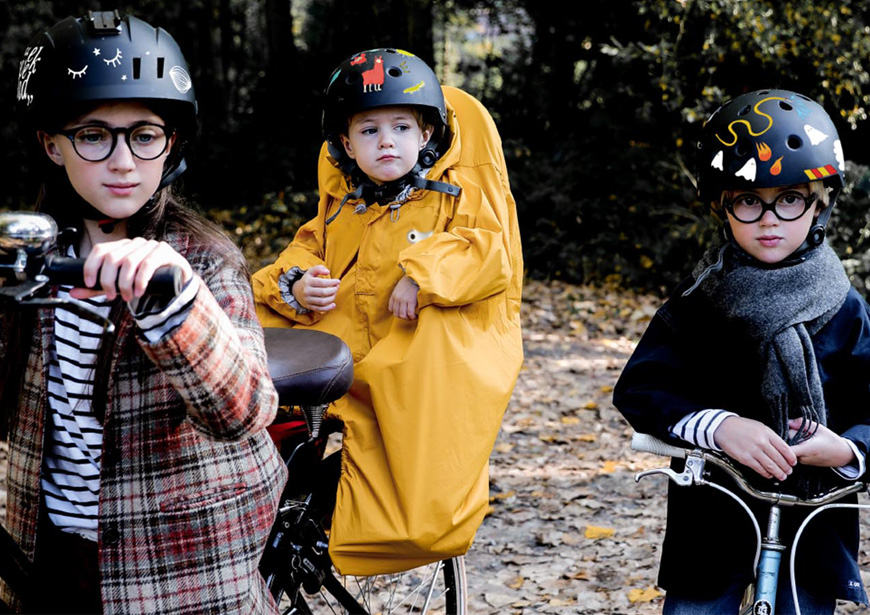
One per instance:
(190, 480)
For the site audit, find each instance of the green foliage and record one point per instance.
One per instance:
(599, 109)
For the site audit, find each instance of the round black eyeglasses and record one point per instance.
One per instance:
(96, 142)
(788, 206)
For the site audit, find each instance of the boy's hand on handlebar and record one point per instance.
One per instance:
(315, 290)
(824, 448)
(756, 446)
(403, 301)
(125, 267)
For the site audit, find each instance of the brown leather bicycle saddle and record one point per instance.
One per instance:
(308, 368)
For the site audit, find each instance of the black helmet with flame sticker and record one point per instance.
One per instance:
(767, 139)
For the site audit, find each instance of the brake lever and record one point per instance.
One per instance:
(75, 306)
(692, 474)
(26, 294)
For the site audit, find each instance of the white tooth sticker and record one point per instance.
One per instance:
(717, 160)
(748, 170)
(838, 154)
(816, 136)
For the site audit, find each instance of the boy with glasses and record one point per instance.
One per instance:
(764, 353)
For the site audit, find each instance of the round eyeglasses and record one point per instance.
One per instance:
(95, 142)
(788, 206)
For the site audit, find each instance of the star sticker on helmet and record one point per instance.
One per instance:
(96, 51)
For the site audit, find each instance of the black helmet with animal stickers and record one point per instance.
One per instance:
(767, 139)
(101, 58)
(382, 78)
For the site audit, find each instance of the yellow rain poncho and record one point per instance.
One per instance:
(428, 396)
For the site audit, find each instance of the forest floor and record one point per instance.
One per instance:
(569, 531)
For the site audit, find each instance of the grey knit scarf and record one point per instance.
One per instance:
(780, 308)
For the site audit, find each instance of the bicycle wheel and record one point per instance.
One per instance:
(436, 589)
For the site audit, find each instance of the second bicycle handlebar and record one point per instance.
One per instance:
(693, 474)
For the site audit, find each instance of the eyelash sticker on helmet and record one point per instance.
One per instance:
(116, 61)
(77, 74)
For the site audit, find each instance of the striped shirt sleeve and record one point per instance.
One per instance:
(155, 320)
(698, 427)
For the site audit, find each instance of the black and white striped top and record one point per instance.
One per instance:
(71, 466)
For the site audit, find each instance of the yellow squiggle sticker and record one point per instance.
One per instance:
(748, 125)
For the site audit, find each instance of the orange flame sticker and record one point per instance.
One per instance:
(763, 151)
(776, 169)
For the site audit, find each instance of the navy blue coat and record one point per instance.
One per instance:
(691, 359)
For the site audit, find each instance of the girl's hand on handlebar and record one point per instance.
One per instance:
(824, 449)
(126, 266)
(315, 290)
(756, 446)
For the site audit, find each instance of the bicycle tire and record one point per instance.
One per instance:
(436, 589)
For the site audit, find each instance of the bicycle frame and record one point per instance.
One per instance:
(768, 554)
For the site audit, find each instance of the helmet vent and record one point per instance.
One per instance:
(741, 148)
(137, 67)
(351, 78)
(785, 106)
(794, 142)
(160, 62)
(762, 93)
(394, 71)
(745, 110)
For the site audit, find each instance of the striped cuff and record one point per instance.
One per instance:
(855, 469)
(154, 324)
(698, 427)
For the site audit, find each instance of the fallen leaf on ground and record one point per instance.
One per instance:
(595, 532)
(643, 595)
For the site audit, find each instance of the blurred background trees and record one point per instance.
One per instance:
(599, 105)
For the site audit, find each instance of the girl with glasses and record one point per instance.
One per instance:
(141, 477)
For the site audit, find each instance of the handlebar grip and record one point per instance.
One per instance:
(167, 281)
(646, 443)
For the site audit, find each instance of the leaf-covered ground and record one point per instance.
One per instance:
(569, 530)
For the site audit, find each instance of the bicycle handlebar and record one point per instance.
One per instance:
(694, 473)
(167, 281)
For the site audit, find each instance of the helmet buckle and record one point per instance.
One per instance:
(105, 21)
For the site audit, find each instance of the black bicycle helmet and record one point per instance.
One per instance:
(104, 57)
(382, 78)
(767, 139)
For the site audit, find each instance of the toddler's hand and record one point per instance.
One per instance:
(756, 446)
(129, 263)
(315, 290)
(403, 301)
(824, 449)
